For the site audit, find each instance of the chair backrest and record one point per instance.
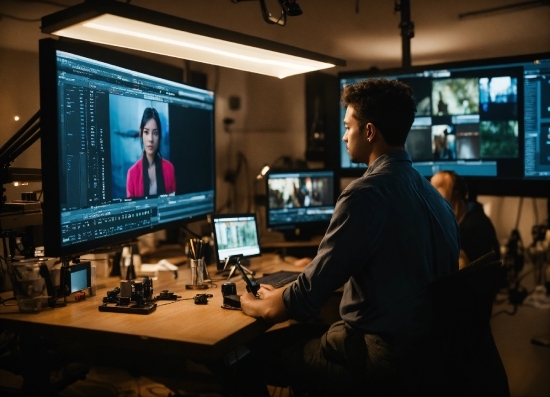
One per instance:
(462, 304)
(465, 298)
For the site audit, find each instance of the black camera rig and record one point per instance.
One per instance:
(130, 297)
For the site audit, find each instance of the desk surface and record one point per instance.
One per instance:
(202, 332)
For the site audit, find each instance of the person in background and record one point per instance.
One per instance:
(151, 175)
(390, 236)
(477, 233)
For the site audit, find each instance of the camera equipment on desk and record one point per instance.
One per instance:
(230, 298)
(131, 297)
(167, 296)
(75, 278)
(202, 299)
(229, 291)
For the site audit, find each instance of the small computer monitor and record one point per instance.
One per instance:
(300, 203)
(76, 277)
(235, 234)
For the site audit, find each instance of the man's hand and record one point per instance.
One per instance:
(270, 306)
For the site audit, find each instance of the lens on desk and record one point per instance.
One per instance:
(229, 288)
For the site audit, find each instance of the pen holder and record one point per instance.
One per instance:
(197, 267)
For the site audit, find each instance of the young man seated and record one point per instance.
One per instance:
(390, 236)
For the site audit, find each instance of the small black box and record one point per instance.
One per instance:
(232, 302)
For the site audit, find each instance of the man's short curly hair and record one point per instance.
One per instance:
(388, 104)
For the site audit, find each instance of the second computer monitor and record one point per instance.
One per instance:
(300, 203)
(235, 234)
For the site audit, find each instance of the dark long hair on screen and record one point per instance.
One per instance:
(148, 114)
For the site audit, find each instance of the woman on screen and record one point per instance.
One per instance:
(151, 174)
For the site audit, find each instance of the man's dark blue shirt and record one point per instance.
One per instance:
(392, 233)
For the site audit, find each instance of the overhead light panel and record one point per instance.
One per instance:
(123, 25)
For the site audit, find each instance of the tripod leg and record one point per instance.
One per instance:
(231, 272)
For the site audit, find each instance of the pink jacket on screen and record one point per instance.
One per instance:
(134, 182)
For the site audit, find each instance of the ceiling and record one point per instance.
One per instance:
(365, 33)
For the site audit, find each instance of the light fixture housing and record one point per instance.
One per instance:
(291, 7)
(123, 25)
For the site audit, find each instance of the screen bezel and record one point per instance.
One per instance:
(213, 217)
(306, 229)
(50, 152)
(513, 180)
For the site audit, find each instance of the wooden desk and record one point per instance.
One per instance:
(201, 332)
(155, 345)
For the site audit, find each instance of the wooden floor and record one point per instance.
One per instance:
(109, 382)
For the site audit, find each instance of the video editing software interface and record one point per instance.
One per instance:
(299, 198)
(100, 110)
(235, 234)
(480, 121)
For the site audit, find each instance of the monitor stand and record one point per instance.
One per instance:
(230, 269)
(234, 262)
(234, 267)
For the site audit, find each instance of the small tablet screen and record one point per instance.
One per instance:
(235, 234)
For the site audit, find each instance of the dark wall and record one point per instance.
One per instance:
(322, 118)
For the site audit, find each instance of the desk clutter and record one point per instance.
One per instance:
(137, 297)
(35, 286)
(130, 297)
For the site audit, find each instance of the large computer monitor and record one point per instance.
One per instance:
(300, 203)
(488, 120)
(235, 234)
(124, 153)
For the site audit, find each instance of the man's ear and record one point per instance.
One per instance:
(370, 131)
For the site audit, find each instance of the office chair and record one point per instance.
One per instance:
(459, 357)
(465, 358)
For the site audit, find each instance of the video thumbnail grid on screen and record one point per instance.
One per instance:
(462, 115)
(288, 191)
(465, 119)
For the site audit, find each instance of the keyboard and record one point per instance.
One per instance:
(278, 279)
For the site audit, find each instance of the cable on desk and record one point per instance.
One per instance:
(182, 299)
(514, 311)
(217, 279)
(177, 300)
(3, 301)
